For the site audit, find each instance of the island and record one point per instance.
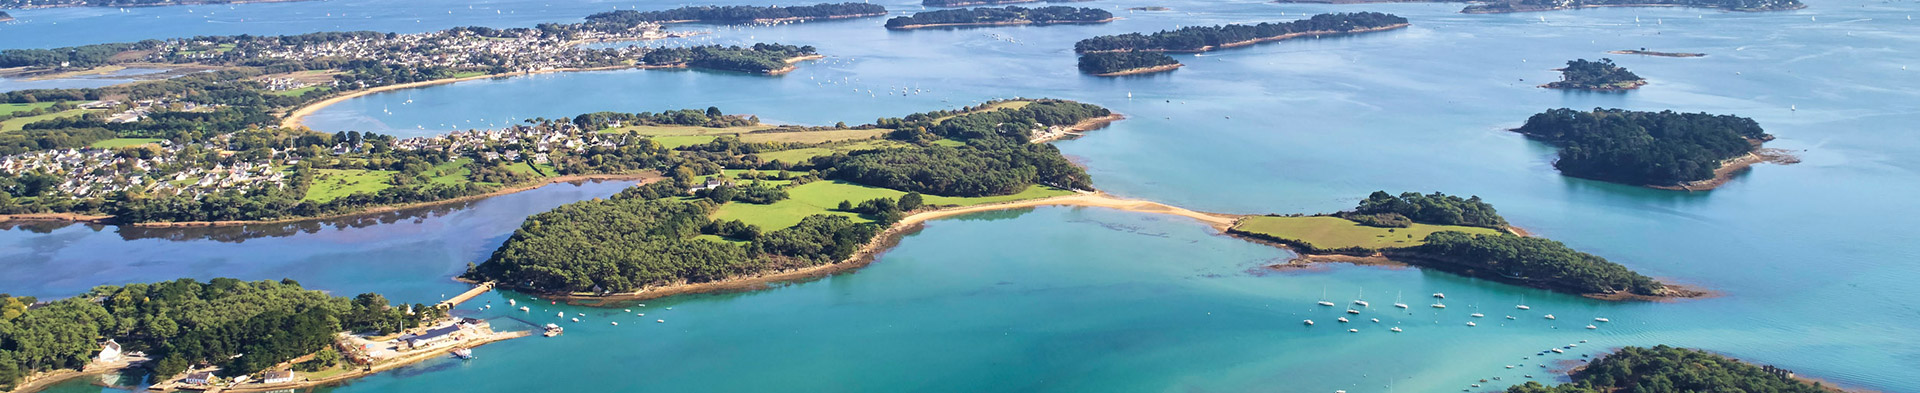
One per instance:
(1498, 7)
(1645, 52)
(192, 335)
(1464, 236)
(31, 4)
(1000, 17)
(1196, 39)
(1665, 150)
(1671, 369)
(1600, 75)
(740, 14)
(1150, 8)
(970, 3)
(767, 59)
(738, 212)
(4, 17)
(1127, 63)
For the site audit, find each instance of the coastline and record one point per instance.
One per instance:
(1281, 37)
(1144, 70)
(1656, 53)
(1582, 6)
(1733, 167)
(1083, 126)
(792, 64)
(1630, 86)
(1403, 259)
(1004, 23)
(886, 241)
(644, 178)
(294, 117)
(184, 2)
(982, 2)
(375, 369)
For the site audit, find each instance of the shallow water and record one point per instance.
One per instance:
(1811, 258)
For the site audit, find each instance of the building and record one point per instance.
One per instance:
(200, 378)
(109, 352)
(432, 336)
(281, 376)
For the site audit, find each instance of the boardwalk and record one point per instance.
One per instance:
(465, 296)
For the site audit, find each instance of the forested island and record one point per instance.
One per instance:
(1669, 150)
(741, 14)
(770, 59)
(1460, 235)
(1011, 15)
(1669, 369)
(1645, 52)
(727, 214)
(171, 327)
(29, 4)
(1596, 75)
(1126, 63)
(1195, 39)
(969, 3)
(1507, 6)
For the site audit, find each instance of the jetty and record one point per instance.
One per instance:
(465, 296)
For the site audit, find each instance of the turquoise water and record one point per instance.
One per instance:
(1813, 260)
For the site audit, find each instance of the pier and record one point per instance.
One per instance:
(465, 296)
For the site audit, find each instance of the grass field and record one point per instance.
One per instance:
(675, 136)
(450, 172)
(801, 155)
(123, 142)
(1336, 232)
(16, 123)
(684, 130)
(332, 184)
(297, 92)
(468, 74)
(8, 109)
(676, 141)
(814, 136)
(996, 106)
(822, 196)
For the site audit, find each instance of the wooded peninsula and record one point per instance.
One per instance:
(740, 14)
(1600, 75)
(1664, 149)
(969, 3)
(1011, 15)
(1669, 369)
(1507, 6)
(1102, 55)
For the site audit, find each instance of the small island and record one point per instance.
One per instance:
(1196, 39)
(1499, 7)
(31, 4)
(1645, 52)
(766, 59)
(1000, 17)
(1150, 8)
(740, 14)
(970, 3)
(1665, 150)
(1127, 63)
(1464, 236)
(1670, 369)
(1600, 75)
(192, 335)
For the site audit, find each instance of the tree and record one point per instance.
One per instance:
(910, 202)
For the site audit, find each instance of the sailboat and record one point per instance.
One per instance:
(1523, 303)
(1438, 305)
(1323, 297)
(1396, 301)
(1395, 329)
(1363, 294)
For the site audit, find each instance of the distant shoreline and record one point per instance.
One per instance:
(1541, 9)
(1656, 53)
(1629, 86)
(1002, 23)
(182, 2)
(1282, 37)
(773, 20)
(295, 117)
(1143, 70)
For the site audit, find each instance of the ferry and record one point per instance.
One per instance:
(463, 353)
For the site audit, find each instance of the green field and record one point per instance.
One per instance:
(684, 130)
(675, 136)
(8, 109)
(676, 141)
(450, 172)
(330, 184)
(801, 155)
(297, 92)
(996, 106)
(123, 142)
(1336, 232)
(814, 136)
(822, 196)
(468, 74)
(16, 123)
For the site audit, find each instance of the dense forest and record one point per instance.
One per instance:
(1435, 208)
(1643, 148)
(184, 322)
(1202, 38)
(1008, 15)
(712, 117)
(973, 170)
(1098, 63)
(1596, 75)
(965, 3)
(759, 58)
(85, 56)
(626, 243)
(1669, 369)
(1544, 5)
(738, 13)
(1532, 260)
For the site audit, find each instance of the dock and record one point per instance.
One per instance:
(465, 296)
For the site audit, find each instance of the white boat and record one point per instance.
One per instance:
(1478, 315)
(562, 315)
(1326, 303)
(1438, 295)
(1523, 307)
(1395, 329)
(525, 309)
(1363, 295)
(1353, 311)
(1550, 316)
(1592, 327)
(659, 321)
(1510, 317)
(511, 302)
(1438, 305)
(1309, 322)
(1523, 303)
(1601, 320)
(1376, 320)
(1343, 320)
(1353, 330)
(1471, 324)
(463, 353)
(1557, 350)
(1396, 301)
(576, 319)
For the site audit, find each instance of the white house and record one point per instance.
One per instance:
(109, 352)
(282, 376)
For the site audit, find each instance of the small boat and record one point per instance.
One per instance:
(1395, 329)
(1396, 301)
(1400, 305)
(1557, 350)
(1550, 317)
(1326, 303)
(580, 314)
(1471, 324)
(1509, 367)
(511, 302)
(1357, 299)
(1376, 320)
(562, 315)
(1438, 295)
(525, 309)
(659, 321)
(628, 310)
(1353, 311)
(553, 330)
(1353, 330)
(1309, 322)
(1478, 315)
(1601, 320)
(615, 323)
(463, 353)
(576, 319)
(1592, 327)
(1343, 320)
(1523, 307)
(1510, 317)
(1438, 305)
(1362, 303)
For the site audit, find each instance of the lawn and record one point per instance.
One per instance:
(8, 109)
(468, 74)
(297, 92)
(16, 123)
(821, 197)
(332, 184)
(676, 141)
(685, 130)
(450, 172)
(670, 135)
(1335, 232)
(124, 142)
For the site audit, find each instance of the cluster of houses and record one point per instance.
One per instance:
(529, 142)
(524, 50)
(97, 172)
(138, 109)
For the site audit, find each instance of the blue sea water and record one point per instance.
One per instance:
(1813, 261)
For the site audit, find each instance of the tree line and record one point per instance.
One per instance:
(967, 171)
(1111, 62)
(1200, 38)
(1436, 208)
(243, 327)
(1011, 14)
(712, 117)
(1542, 5)
(759, 58)
(1670, 369)
(1532, 260)
(1603, 74)
(736, 13)
(1643, 148)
